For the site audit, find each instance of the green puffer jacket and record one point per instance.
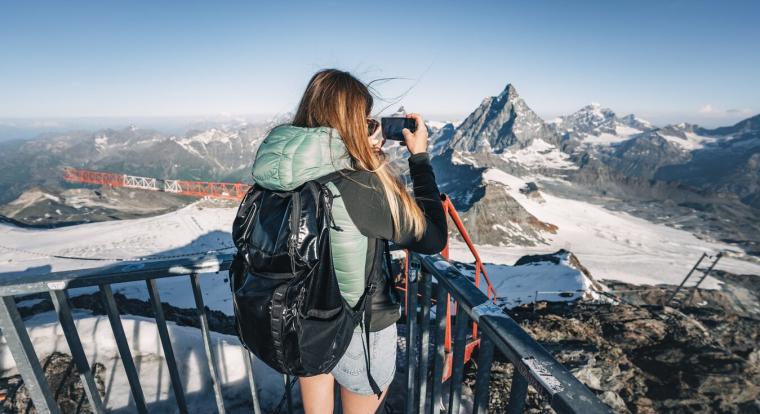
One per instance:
(289, 156)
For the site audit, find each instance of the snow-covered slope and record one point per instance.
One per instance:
(539, 155)
(193, 228)
(562, 279)
(687, 136)
(612, 245)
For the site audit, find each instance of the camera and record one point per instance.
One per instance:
(393, 125)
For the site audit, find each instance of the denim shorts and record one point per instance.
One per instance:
(351, 371)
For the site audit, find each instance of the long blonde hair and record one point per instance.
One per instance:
(336, 99)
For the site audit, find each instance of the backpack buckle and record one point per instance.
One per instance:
(414, 269)
(371, 289)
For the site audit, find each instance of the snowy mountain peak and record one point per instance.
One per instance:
(595, 109)
(509, 92)
(594, 124)
(593, 112)
(501, 122)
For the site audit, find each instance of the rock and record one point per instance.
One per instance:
(614, 401)
(485, 220)
(590, 376)
(530, 187)
(63, 379)
(652, 359)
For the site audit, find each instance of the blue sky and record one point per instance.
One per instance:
(667, 61)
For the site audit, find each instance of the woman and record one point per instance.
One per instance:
(331, 132)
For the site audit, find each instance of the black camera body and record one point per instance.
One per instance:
(393, 125)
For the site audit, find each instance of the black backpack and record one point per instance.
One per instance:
(288, 308)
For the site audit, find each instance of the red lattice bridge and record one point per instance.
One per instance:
(229, 191)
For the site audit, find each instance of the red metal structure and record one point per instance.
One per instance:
(228, 191)
(93, 177)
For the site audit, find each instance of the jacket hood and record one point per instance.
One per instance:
(290, 156)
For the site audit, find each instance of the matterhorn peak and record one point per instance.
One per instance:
(510, 92)
(501, 122)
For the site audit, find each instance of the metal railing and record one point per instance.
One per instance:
(57, 285)
(534, 365)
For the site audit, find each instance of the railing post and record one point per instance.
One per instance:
(251, 380)
(424, 352)
(62, 308)
(166, 343)
(483, 376)
(457, 363)
(212, 367)
(517, 393)
(683, 282)
(411, 334)
(440, 353)
(23, 353)
(121, 343)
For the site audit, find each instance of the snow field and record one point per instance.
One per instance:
(612, 245)
(189, 229)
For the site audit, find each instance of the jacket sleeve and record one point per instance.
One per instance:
(368, 208)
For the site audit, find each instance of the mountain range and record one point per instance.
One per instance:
(703, 180)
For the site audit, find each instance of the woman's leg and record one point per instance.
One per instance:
(354, 403)
(383, 368)
(317, 393)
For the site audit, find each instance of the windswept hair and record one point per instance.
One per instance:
(336, 99)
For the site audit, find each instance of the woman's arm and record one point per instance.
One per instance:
(428, 197)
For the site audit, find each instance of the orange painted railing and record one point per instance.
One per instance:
(451, 213)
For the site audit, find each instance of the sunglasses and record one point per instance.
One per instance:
(372, 125)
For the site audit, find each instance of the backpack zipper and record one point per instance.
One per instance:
(295, 220)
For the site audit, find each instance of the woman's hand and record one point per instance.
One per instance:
(418, 141)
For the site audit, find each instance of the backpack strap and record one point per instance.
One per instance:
(365, 329)
(370, 290)
(388, 261)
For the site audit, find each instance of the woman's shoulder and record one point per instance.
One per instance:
(363, 198)
(360, 189)
(356, 180)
